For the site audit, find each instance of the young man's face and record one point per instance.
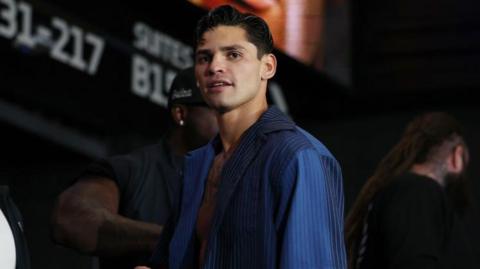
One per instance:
(229, 73)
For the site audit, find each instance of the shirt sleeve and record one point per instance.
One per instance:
(313, 234)
(117, 168)
(413, 226)
(100, 167)
(124, 170)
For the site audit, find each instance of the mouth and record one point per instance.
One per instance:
(218, 85)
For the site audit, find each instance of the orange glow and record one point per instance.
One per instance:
(296, 25)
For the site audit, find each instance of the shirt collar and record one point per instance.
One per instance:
(270, 121)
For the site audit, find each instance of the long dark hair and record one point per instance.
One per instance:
(421, 136)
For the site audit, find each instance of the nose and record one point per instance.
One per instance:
(217, 65)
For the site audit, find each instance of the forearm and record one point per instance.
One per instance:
(94, 230)
(86, 219)
(118, 235)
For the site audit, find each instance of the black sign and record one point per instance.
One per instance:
(100, 72)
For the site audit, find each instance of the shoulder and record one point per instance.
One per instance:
(411, 192)
(143, 152)
(297, 152)
(141, 157)
(126, 165)
(296, 143)
(411, 184)
(411, 203)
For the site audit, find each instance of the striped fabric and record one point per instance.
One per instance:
(280, 203)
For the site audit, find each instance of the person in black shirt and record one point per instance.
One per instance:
(407, 214)
(117, 208)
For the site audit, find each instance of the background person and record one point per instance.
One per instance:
(407, 213)
(117, 208)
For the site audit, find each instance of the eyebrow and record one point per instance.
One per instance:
(223, 49)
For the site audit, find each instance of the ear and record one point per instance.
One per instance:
(269, 66)
(179, 114)
(456, 160)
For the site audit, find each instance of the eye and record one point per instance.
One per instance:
(202, 58)
(233, 55)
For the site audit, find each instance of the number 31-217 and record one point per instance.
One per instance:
(72, 37)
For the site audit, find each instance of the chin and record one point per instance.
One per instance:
(219, 106)
(222, 109)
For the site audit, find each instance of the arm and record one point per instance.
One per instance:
(86, 218)
(313, 234)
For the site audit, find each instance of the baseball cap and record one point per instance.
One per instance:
(184, 89)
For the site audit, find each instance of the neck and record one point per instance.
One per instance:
(176, 141)
(428, 171)
(233, 124)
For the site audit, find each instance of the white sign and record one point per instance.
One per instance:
(150, 78)
(67, 43)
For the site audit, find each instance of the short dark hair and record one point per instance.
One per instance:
(256, 28)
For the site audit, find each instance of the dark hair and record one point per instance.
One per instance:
(421, 138)
(256, 28)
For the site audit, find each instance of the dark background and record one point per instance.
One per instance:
(407, 57)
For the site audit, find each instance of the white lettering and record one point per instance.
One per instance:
(79, 39)
(140, 76)
(158, 96)
(25, 36)
(77, 60)
(140, 31)
(162, 46)
(9, 16)
(57, 52)
(98, 46)
(150, 80)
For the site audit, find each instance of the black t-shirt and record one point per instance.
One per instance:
(149, 181)
(412, 225)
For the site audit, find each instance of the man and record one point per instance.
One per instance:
(403, 217)
(117, 208)
(264, 193)
(13, 247)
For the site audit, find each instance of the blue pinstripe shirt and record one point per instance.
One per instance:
(280, 204)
